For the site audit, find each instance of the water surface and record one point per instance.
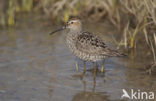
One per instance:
(35, 66)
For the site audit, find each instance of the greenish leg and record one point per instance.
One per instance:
(84, 71)
(102, 68)
(95, 66)
(94, 71)
(77, 66)
(84, 67)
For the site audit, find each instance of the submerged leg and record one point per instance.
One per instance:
(94, 79)
(102, 68)
(84, 71)
(84, 66)
(95, 71)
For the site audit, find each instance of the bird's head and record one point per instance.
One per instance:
(74, 24)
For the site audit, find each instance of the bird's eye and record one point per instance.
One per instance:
(71, 22)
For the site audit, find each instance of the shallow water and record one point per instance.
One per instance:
(35, 66)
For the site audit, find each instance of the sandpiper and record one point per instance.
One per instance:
(85, 45)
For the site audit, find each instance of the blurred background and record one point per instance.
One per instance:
(134, 21)
(35, 66)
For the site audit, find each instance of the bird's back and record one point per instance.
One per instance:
(91, 44)
(88, 46)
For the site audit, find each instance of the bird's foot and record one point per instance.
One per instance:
(80, 75)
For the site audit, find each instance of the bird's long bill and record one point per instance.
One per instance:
(64, 27)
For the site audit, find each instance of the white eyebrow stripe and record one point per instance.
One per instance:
(74, 21)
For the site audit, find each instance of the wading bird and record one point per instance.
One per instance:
(85, 45)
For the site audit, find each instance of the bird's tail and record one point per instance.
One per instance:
(115, 53)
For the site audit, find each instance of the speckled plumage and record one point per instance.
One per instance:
(88, 46)
(85, 45)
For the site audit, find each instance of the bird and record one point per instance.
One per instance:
(86, 45)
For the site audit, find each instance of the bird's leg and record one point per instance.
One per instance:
(102, 68)
(84, 66)
(95, 69)
(84, 71)
(94, 78)
(77, 66)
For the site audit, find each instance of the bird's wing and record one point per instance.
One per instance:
(90, 43)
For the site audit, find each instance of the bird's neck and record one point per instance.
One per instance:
(72, 34)
(75, 32)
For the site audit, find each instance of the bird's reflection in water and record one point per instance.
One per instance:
(90, 95)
